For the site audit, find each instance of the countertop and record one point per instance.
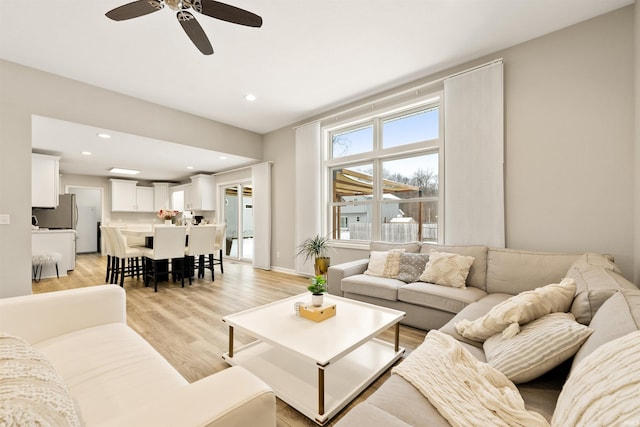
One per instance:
(46, 230)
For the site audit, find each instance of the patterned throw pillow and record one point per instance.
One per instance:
(32, 393)
(411, 266)
(447, 269)
(392, 265)
(539, 347)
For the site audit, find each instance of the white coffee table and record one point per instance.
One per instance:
(316, 367)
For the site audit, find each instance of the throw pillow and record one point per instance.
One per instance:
(540, 346)
(519, 310)
(392, 264)
(31, 391)
(447, 269)
(602, 390)
(412, 266)
(377, 260)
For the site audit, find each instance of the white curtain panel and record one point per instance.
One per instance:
(308, 194)
(474, 157)
(261, 181)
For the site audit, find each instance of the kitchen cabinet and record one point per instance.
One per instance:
(45, 178)
(161, 196)
(126, 196)
(60, 241)
(181, 197)
(202, 195)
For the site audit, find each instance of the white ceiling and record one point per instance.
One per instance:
(308, 57)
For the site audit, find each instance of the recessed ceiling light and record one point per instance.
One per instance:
(189, 167)
(86, 153)
(104, 135)
(223, 157)
(250, 97)
(124, 171)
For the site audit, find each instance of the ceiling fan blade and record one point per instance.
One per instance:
(134, 10)
(226, 12)
(195, 32)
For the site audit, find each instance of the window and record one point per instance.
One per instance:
(383, 176)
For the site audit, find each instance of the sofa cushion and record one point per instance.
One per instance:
(513, 271)
(597, 278)
(603, 389)
(447, 269)
(478, 272)
(540, 346)
(443, 298)
(378, 287)
(520, 309)
(32, 393)
(411, 266)
(110, 370)
(618, 316)
(386, 246)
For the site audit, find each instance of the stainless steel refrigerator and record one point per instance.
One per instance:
(64, 216)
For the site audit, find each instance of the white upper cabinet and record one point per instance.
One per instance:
(161, 196)
(202, 197)
(45, 178)
(126, 196)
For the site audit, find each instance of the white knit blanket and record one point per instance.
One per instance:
(464, 390)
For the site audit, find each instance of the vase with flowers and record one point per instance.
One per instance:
(167, 215)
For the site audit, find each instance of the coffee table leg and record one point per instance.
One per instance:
(320, 390)
(230, 341)
(397, 343)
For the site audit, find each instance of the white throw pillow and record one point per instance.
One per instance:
(540, 346)
(32, 393)
(519, 310)
(447, 269)
(603, 389)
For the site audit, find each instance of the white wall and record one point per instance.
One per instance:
(25, 91)
(636, 212)
(569, 144)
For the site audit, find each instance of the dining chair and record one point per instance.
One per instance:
(201, 245)
(127, 258)
(220, 244)
(168, 247)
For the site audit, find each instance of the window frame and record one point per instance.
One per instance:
(376, 157)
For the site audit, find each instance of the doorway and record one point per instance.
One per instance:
(89, 208)
(237, 200)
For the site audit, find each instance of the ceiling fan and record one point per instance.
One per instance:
(188, 22)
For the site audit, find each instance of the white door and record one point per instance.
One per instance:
(87, 230)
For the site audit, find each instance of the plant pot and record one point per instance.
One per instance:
(322, 265)
(316, 299)
(167, 222)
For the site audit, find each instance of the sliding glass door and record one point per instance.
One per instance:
(238, 215)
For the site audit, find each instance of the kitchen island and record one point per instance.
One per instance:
(61, 241)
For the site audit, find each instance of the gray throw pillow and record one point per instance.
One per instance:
(412, 266)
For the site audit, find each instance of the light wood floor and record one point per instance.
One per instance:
(185, 326)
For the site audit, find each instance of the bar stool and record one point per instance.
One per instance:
(201, 244)
(220, 231)
(168, 244)
(127, 258)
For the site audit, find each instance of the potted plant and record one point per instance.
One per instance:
(316, 247)
(317, 288)
(167, 215)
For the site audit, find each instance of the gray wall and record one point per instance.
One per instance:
(26, 91)
(636, 212)
(569, 145)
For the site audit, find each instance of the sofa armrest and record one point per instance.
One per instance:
(35, 318)
(337, 272)
(232, 397)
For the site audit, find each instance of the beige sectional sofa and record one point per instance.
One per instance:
(114, 377)
(604, 300)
